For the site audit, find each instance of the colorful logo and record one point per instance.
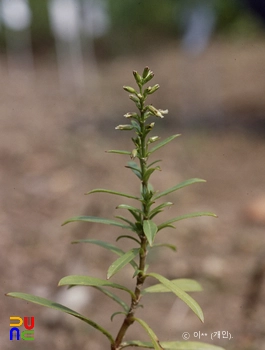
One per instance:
(16, 333)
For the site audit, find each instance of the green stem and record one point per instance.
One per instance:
(129, 319)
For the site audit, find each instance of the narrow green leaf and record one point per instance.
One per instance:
(136, 125)
(122, 261)
(126, 220)
(136, 172)
(182, 217)
(163, 143)
(170, 246)
(157, 212)
(108, 246)
(116, 313)
(156, 161)
(53, 305)
(112, 192)
(96, 220)
(129, 207)
(189, 345)
(114, 297)
(192, 304)
(179, 186)
(118, 151)
(138, 344)
(151, 334)
(135, 169)
(149, 172)
(172, 345)
(186, 284)
(130, 237)
(91, 281)
(159, 208)
(150, 230)
(135, 215)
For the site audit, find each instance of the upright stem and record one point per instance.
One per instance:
(129, 319)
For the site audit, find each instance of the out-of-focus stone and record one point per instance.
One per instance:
(213, 266)
(254, 211)
(62, 181)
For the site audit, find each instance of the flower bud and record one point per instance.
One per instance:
(134, 98)
(129, 89)
(131, 115)
(137, 77)
(150, 126)
(134, 153)
(124, 127)
(153, 88)
(157, 112)
(145, 72)
(149, 76)
(147, 91)
(153, 139)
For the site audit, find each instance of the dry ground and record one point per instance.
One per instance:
(52, 151)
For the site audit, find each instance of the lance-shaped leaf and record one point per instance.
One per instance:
(132, 225)
(156, 161)
(118, 151)
(189, 345)
(114, 297)
(172, 345)
(186, 284)
(117, 313)
(136, 125)
(53, 305)
(159, 208)
(135, 169)
(177, 187)
(151, 334)
(134, 211)
(137, 344)
(108, 246)
(97, 220)
(163, 143)
(102, 190)
(129, 207)
(150, 230)
(122, 261)
(91, 281)
(182, 217)
(129, 237)
(192, 304)
(149, 172)
(167, 245)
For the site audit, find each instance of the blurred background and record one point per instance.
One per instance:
(62, 67)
